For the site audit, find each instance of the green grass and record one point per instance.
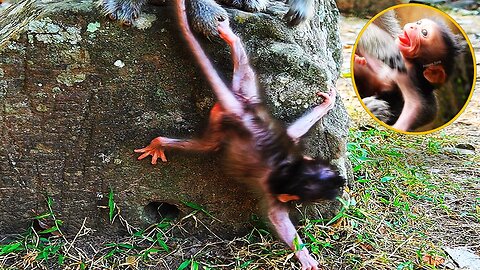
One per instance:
(408, 198)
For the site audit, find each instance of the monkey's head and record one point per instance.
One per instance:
(305, 180)
(430, 44)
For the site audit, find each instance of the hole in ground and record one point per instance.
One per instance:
(158, 211)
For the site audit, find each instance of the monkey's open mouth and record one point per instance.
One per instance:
(404, 39)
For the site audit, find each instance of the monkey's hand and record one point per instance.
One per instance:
(154, 149)
(360, 60)
(304, 123)
(307, 261)
(328, 99)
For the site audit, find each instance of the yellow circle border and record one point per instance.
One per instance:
(352, 60)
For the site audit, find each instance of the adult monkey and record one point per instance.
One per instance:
(259, 151)
(396, 74)
(206, 14)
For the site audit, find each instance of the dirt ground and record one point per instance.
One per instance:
(467, 125)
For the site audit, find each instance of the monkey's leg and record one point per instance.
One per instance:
(226, 98)
(279, 217)
(304, 123)
(300, 11)
(125, 11)
(244, 80)
(412, 107)
(210, 141)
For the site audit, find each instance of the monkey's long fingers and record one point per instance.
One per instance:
(360, 60)
(308, 263)
(328, 99)
(144, 155)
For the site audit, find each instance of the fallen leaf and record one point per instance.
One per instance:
(366, 246)
(433, 260)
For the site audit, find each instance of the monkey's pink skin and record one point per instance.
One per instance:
(328, 98)
(360, 60)
(307, 261)
(154, 149)
(226, 33)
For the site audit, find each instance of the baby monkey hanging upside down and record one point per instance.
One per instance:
(259, 151)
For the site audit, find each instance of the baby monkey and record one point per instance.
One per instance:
(259, 151)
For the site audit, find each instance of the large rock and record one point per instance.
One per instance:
(78, 93)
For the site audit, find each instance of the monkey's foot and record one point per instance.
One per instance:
(226, 33)
(154, 149)
(378, 107)
(300, 11)
(308, 263)
(205, 16)
(124, 11)
(248, 5)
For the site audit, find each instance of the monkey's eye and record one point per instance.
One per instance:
(424, 32)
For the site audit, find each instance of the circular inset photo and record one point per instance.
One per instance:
(413, 68)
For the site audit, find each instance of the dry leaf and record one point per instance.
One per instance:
(366, 246)
(433, 260)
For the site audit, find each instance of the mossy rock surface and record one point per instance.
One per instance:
(78, 93)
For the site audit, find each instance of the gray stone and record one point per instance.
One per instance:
(78, 93)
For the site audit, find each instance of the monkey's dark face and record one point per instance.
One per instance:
(310, 180)
(420, 39)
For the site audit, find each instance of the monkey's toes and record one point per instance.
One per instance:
(249, 5)
(125, 13)
(206, 16)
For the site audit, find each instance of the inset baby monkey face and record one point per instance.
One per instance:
(419, 38)
(407, 64)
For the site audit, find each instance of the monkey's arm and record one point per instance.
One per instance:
(224, 95)
(211, 140)
(278, 215)
(412, 107)
(304, 123)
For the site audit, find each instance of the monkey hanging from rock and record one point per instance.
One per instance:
(396, 72)
(206, 14)
(259, 151)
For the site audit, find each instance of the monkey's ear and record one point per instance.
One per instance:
(435, 74)
(287, 198)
